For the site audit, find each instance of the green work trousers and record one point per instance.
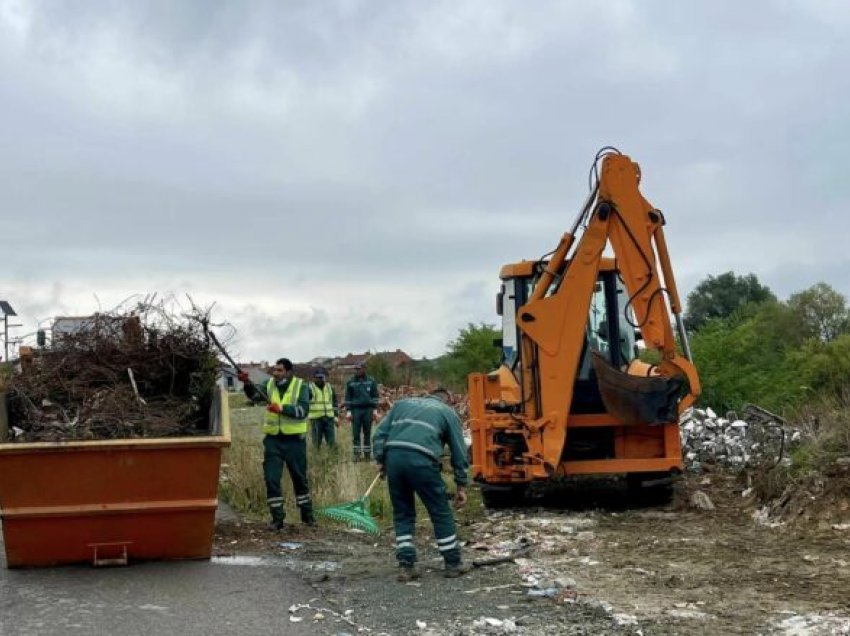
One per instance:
(411, 473)
(361, 432)
(324, 428)
(291, 451)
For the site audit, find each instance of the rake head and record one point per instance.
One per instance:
(354, 515)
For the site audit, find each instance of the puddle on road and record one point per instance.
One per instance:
(277, 562)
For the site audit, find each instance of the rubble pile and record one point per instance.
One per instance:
(146, 372)
(389, 395)
(734, 443)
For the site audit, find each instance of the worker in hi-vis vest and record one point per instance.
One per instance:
(285, 441)
(323, 409)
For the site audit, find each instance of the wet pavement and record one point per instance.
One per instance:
(221, 596)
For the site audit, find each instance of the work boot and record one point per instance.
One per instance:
(455, 570)
(407, 573)
(310, 523)
(275, 525)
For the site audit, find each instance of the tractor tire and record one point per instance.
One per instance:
(651, 495)
(504, 497)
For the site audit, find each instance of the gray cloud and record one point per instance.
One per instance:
(379, 162)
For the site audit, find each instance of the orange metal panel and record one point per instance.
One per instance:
(592, 420)
(156, 498)
(607, 466)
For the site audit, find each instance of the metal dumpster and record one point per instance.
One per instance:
(112, 501)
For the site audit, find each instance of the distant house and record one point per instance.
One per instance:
(352, 360)
(117, 327)
(257, 372)
(397, 359)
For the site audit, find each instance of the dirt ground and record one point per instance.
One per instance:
(593, 564)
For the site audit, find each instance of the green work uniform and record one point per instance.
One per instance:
(285, 444)
(409, 443)
(323, 414)
(361, 398)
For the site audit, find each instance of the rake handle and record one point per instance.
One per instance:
(372, 486)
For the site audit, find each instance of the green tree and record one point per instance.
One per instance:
(825, 366)
(750, 357)
(721, 296)
(473, 350)
(821, 311)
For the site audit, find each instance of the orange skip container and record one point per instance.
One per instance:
(112, 501)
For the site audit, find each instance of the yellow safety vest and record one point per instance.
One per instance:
(275, 423)
(321, 402)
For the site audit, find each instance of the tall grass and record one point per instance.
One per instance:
(825, 424)
(334, 475)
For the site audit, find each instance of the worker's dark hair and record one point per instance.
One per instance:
(286, 362)
(442, 393)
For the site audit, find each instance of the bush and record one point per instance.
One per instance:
(748, 357)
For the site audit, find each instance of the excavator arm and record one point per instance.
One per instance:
(552, 323)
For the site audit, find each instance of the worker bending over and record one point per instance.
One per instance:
(408, 448)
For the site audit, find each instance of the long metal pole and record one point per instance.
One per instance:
(6, 338)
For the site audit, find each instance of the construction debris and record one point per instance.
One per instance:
(735, 443)
(390, 395)
(149, 371)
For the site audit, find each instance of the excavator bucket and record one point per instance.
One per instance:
(636, 399)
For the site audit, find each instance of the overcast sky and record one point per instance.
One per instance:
(350, 175)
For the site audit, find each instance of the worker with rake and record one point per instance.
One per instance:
(408, 447)
(285, 441)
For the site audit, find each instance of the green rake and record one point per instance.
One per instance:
(356, 513)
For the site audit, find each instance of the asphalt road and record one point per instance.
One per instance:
(248, 596)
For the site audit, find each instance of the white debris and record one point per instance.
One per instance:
(690, 614)
(762, 517)
(625, 619)
(826, 624)
(702, 501)
(734, 442)
(296, 619)
(421, 624)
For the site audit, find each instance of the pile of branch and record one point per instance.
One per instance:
(149, 371)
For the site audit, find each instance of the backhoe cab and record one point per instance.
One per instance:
(572, 396)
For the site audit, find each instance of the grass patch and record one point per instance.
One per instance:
(825, 425)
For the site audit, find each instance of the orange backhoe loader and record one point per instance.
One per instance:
(572, 397)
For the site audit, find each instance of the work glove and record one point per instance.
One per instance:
(243, 377)
(273, 408)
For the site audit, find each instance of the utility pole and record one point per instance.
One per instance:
(7, 310)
